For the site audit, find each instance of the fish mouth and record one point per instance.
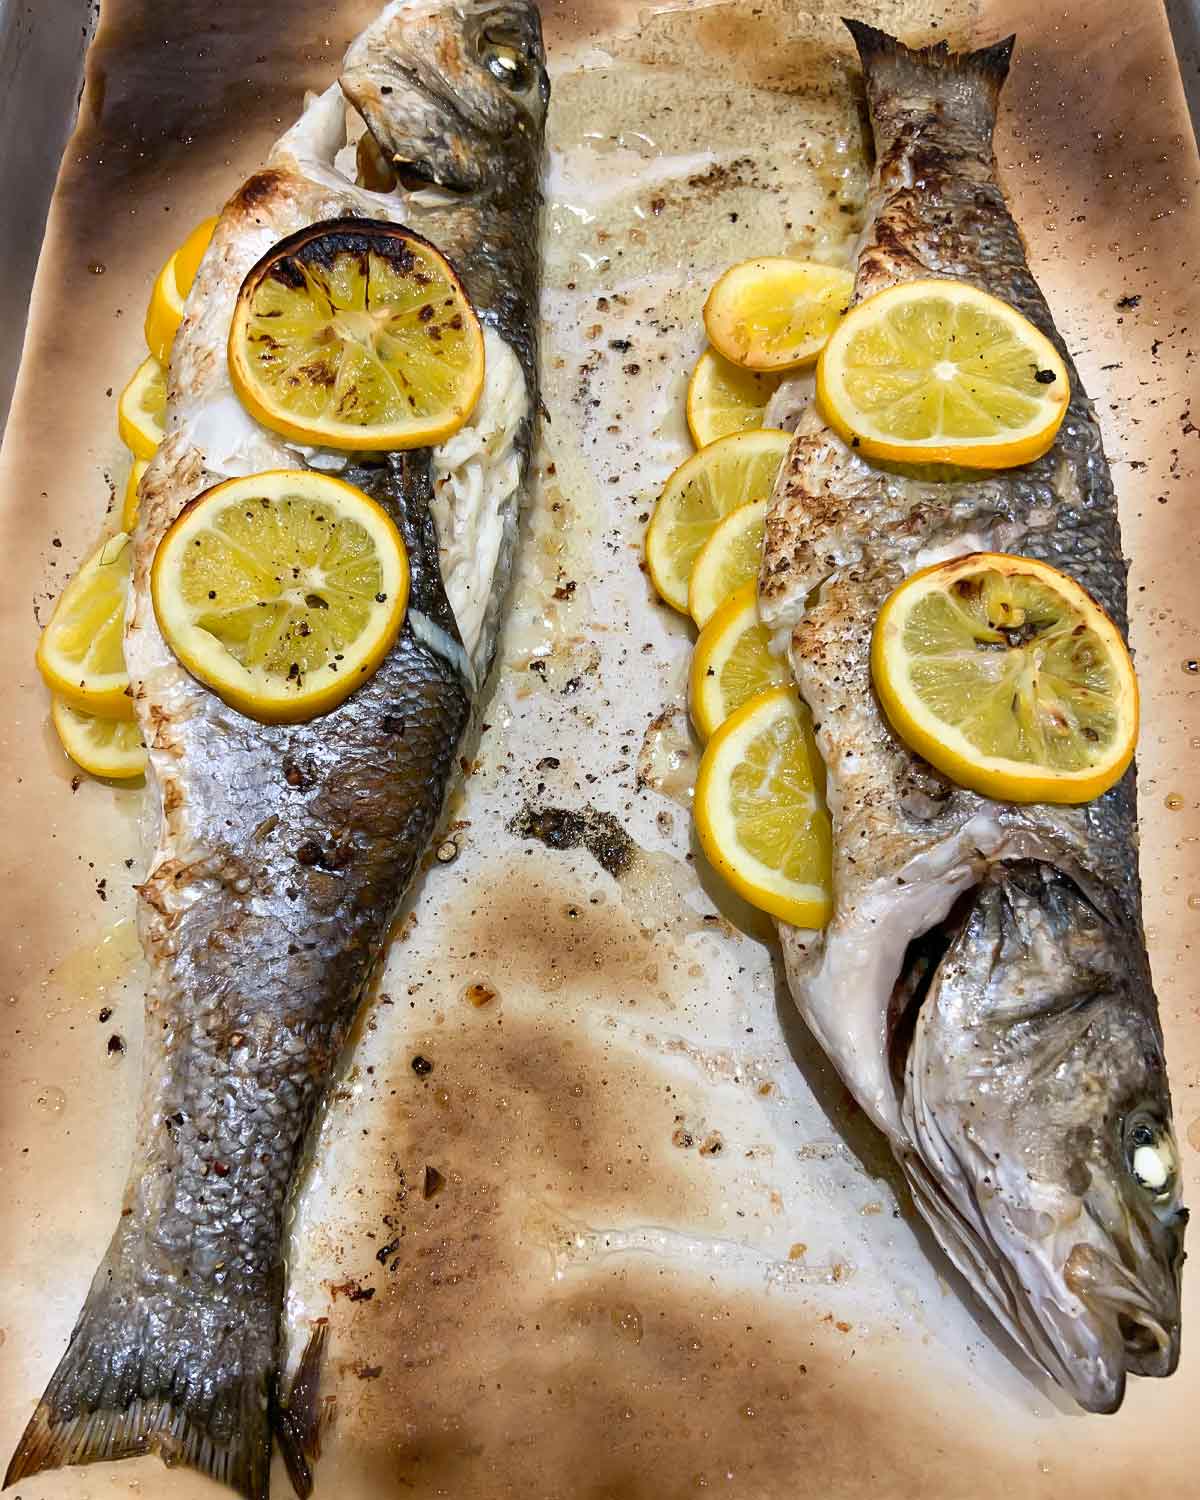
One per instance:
(1149, 1335)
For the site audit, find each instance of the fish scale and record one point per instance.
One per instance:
(1017, 1128)
(285, 851)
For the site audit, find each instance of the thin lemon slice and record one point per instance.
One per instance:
(191, 253)
(101, 747)
(356, 335)
(1008, 677)
(732, 662)
(81, 653)
(774, 313)
(723, 398)
(164, 313)
(129, 505)
(940, 372)
(171, 287)
(142, 409)
(700, 493)
(760, 809)
(282, 591)
(729, 559)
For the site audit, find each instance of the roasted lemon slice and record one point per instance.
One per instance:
(723, 398)
(774, 313)
(101, 747)
(1008, 677)
(81, 653)
(729, 558)
(171, 286)
(760, 809)
(282, 591)
(940, 372)
(700, 493)
(129, 505)
(191, 253)
(732, 662)
(164, 313)
(356, 335)
(142, 409)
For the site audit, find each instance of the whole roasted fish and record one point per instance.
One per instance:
(983, 987)
(284, 851)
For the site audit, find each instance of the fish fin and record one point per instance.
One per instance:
(296, 1418)
(119, 1392)
(990, 64)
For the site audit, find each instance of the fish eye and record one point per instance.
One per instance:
(1151, 1156)
(505, 58)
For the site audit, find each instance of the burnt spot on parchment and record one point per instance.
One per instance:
(510, 1353)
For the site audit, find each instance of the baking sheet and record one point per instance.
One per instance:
(669, 1256)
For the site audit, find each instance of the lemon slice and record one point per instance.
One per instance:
(81, 653)
(940, 372)
(191, 253)
(171, 287)
(700, 493)
(774, 313)
(142, 409)
(723, 398)
(282, 591)
(760, 809)
(1008, 677)
(729, 559)
(356, 335)
(732, 661)
(102, 747)
(129, 506)
(164, 313)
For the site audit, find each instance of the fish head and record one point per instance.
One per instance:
(454, 92)
(1036, 1103)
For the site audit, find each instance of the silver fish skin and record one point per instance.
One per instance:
(284, 851)
(983, 986)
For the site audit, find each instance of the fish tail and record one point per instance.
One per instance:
(893, 68)
(153, 1372)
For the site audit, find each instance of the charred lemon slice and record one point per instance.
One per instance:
(732, 662)
(142, 409)
(699, 494)
(723, 398)
(774, 313)
(729, 559)
(356, 335)
(81, 653)
(129, 505)
(940, 372)
(760, 809)
(1008, 677)
(101, 747)
(282, 591)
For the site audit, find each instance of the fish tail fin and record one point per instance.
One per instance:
(893, 68)
(152, 1371)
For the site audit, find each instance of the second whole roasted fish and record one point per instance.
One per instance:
(983, 986)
